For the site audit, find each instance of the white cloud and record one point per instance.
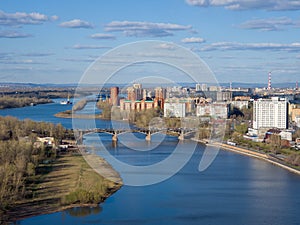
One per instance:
(21, 18)
(192, 40)
(76, 23)
(271, 24)
(102, 36)
(21, 61)
(230, 46)
(54, 17)
(144, 29)
(271, 5)
(79, 47)
(166, 46)
(13, 34)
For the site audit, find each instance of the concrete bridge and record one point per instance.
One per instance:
(181, 133)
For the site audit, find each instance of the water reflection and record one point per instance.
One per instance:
(83, 211)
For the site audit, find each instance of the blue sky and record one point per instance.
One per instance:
(240, 40)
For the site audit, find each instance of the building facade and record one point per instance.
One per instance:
(173, 109)
(270, 113)
(215, 110)
(114, 96)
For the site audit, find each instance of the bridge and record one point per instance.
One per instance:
(181, 133)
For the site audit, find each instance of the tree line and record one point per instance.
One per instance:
(17, 102)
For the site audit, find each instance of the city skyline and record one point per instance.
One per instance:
(241, 41)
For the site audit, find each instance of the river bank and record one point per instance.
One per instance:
(20, 102)
(66, 185)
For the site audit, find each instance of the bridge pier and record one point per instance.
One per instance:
(115, 137)
(181, 135)
(148, 136)
(80, 138)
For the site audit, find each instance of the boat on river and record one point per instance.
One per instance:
(66, 102)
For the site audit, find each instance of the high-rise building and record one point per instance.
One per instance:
(114, 96)
(270, 113)
(138, 93)
(131, 95)
(160, 93)
(135, 93)
(198, 87)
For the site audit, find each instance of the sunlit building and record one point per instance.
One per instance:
(215, 110)
(270, 113)
(174, 109)
(114, 96)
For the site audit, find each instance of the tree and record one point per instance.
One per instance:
(241, 128)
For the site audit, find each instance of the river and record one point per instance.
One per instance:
(235, 189)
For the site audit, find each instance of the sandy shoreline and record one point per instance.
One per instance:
(103, 168)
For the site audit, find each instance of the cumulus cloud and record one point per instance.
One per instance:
(271, 24)
(79, 47)
(271, 5)
(145, 29)
(76, 23)
(227, 46)
(21, 18)
(13, 34)
(192, 40)
(103, 36)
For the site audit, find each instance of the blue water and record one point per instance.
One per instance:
(235, 189)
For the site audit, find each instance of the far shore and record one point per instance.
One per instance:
(69, 115)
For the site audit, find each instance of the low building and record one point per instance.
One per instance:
(294, 111)
(174, 109)
(46, 141)
(139, 105)
(219, 96)
(286, 135)
(297, 121)
(242, 98)
(215, 110)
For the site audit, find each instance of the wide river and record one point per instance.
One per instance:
(235, 189)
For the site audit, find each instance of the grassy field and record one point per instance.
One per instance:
(65, 183)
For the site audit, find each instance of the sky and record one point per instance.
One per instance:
(239, 40)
